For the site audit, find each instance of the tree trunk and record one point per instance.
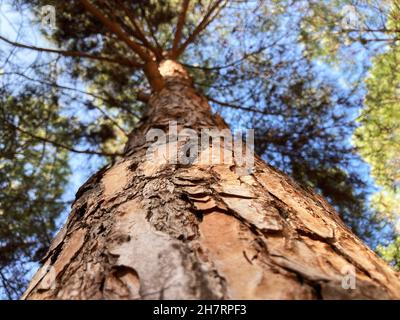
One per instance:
(146, 229)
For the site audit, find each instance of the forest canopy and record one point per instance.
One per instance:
(317, 80)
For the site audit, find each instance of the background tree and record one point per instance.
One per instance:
(378, 137)
(373, 25)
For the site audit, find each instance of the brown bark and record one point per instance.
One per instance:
(141, 229)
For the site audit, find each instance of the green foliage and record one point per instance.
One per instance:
(328, 27)
(379, 135)
(330, 30)
(378, 138)
(391, 253)
(33, 175)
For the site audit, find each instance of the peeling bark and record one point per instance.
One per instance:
(153, 230)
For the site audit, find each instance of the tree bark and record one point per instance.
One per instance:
(143, 229)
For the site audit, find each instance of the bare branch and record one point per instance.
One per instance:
(231, 64)
(68, 53)
(179, 26)
(207, 19)
(116, 29)
(234, 106)
(60, 145)
(152, 32)
(150, 68)
(139, 34)
(62, 87)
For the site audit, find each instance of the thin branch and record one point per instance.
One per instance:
(7, 286)
(152, 33)
(139, 34)
(380, 30)
(231, 64)
(116, 29)
(68, 53)
(62, 87)
(207, 19)
(150, 68)
(60, 145)
(234, 106)
(179, 26)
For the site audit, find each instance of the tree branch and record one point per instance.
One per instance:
(68, 53)
(179, 26)
(150, 68)
(60, 145)
(231, 64)
(138, 32)
(207, 19)
(62, 87)
(153, 36)
(116, 29)
(234, 106)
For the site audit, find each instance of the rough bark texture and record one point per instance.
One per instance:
(152, 230)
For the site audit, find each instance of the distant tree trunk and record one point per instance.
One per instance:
(144, 229)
